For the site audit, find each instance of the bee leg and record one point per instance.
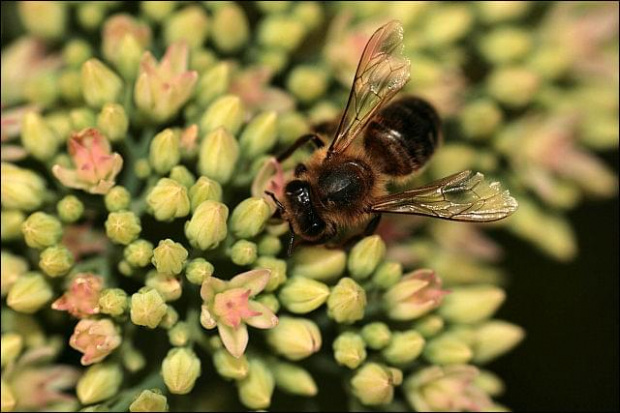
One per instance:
(372, 225)
(279, 204)
(291, 244)
(301, 141)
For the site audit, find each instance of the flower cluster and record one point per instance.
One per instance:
(138, 243)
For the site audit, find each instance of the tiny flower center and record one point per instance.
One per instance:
(232, 306)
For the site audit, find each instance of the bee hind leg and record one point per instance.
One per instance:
(301, 141)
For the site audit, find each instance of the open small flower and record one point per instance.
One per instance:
(229, 306)
(414, 295)
(82, 296)
(96, 166)
(96, 339)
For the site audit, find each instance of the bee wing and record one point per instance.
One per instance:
(465, 196)
(381, 73)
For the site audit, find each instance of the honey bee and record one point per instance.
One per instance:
(343, 185)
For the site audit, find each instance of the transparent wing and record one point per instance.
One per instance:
(381, 73)
(465, 196)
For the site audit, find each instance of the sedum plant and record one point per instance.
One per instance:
(138, 244)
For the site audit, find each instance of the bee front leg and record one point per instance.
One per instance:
(301, 141)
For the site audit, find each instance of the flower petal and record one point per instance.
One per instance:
(206, 319)
(235, 339)
(254, 280)
(210, 287)
(266, 319)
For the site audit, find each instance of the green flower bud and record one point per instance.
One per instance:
(43, 19)
(499, 11)
(349, 350)
(142, 168)
(69, 84)
(170, 319)
(278, 271)
(11, 224)
(489, 383)
(198, 270)
(495, 338)
(147, 308)
(167, 285)
(12, 345)
(168, 200)
(291, 125)
(41, 230)
(169, 257)
(447, 349)
(56, 260)
(12, 268)
(38, 138)
(259, 135)
(302, 295)
(294, 380)
(281, 33)
(249, 217)
(213, 83)
(505, 45)
(231, 29)
(60, 123)
(471, 304)
(122, 227)
(481, 118)
(21, 188)
(150, 401)
(295, 338)
(446, 25)
(100, 382)
(82, 118)
(117, 199)
(8, 398)
(270, 301)
(319, 263)
(112, 121)
(404, 347)
(269, 245)
(218, 155)
(230, 367)
(139, 253)
(190, 25)
(309, 13)
(227, 112)
(125, 268)
(204, 189)
(374, 384)
(274, 7)
(113, 301)
(76, 52)
(207, 227)
(183, 176)
(243, 252)
(256, 389)
(70, 209)
(90, 15)
(157, 10)
(165, 151)
(429, 325)
(179, 334)
(346, 302)
(365, 256)
(513, 86)
(377, 335)
(133, 360)
(387, 274)
(307, 83)
(180, 369)
(100, 85)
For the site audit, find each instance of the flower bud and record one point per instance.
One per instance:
(273, 7)
(506, 45)
(307, 83)
(96, 339)
(75, 52)
(259, 135)
(169, 257)
(167, 285)
(100, 382)
(365, 256)
(447, 349)
(70, 209)
(113, 301)
(82, 297)
(374, 383)
(489, 383)
(319, 263)
(278, 271)
(43, 19)
(481, 118)
(207, 227)
(230, 367)
(165, 151)
(82, 118)
(291, 125)
(249, 217)
(12, 268)
(142, 168)
(204, 189)
(11, 224)
(294, 380)
(189, 25)
(414, 295)
(218, 155)
(387, 274)
(180, 369)
(270, 301)
(377, 335)
(404, 347)
(197, 270)
(90, 15)
(269, 245)
(158, 10)
(150, 400)
(170, 319)
(8, 398)
(12, 345)
(302, 295)
(213, 83)
(147, 308)
(183, 176)
(117, 199)
(56, 260)
(41, 230)
(179, 334)
(69, 84)
(499, 11)
(495, 338)
(349, 350)
(227, 112)
(38, 138)
(124, 40)
(447, 25)
(125, 268)
(472, 304)
(168, 200)
(243, 252)
(21, 188)
(309, 13)
(100, 85)
(133, 360)
(346, 302)
(112, 121)
(513, 86)
(256, 389)
(295, 338)
(122, 227)
(139, 253)
(281, 32)
(429, 325)
(231, 29)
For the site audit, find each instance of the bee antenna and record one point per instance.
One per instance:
(278, 203)
(291, 244)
